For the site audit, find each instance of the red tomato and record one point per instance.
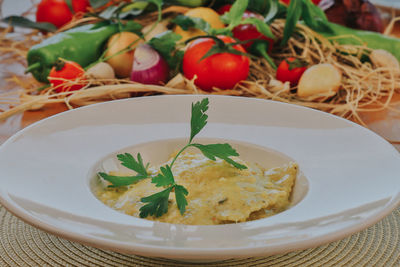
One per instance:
(290, 70)
(57, 12)
(223, 9)
(80, 5)
(246, 32)
(287, 2)
(66, 70)
(222, 70)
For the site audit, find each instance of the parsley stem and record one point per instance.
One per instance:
(177, 155)
(159, 17)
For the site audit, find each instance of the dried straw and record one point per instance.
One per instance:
(364, 87)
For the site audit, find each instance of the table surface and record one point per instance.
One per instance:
(384, 235)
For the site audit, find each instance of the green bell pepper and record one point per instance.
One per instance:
(83, 45)
(372, 40)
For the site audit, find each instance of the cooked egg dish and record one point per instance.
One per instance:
(218, 192)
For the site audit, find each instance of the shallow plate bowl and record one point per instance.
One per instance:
(352, 175)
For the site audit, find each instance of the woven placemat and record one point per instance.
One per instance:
(24, 245)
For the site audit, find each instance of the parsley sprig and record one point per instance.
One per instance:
(130, 162)
(157, 204)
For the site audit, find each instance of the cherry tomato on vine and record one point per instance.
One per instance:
(221, 70)
(57, 12)
(246, 32)
(291, 70)
(65, 71)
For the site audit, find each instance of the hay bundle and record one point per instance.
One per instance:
(364, 87)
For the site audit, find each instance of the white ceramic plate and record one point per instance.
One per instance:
(352, 174)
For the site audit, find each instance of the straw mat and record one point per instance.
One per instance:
(24, 245)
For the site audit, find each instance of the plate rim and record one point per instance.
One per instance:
(200, 253)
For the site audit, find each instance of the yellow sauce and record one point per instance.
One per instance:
(218, 192)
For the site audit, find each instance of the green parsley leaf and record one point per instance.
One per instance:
(166, 45)
(157, 204)
(217, 49)
(133, 9)
(70, 7)
(222, 151)
(234, 16)
(261, 26)
(272, 8)
(130, 162)
(186, 22)
(293, 15)
(121, 180)
(164, 178)
(314, 17)
(199, 117)
(98, 3)
(134, 27)
(180, 193)
(23, 22)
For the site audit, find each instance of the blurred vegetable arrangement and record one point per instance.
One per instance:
(83, 52)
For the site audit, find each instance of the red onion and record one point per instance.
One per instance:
(148, 66)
